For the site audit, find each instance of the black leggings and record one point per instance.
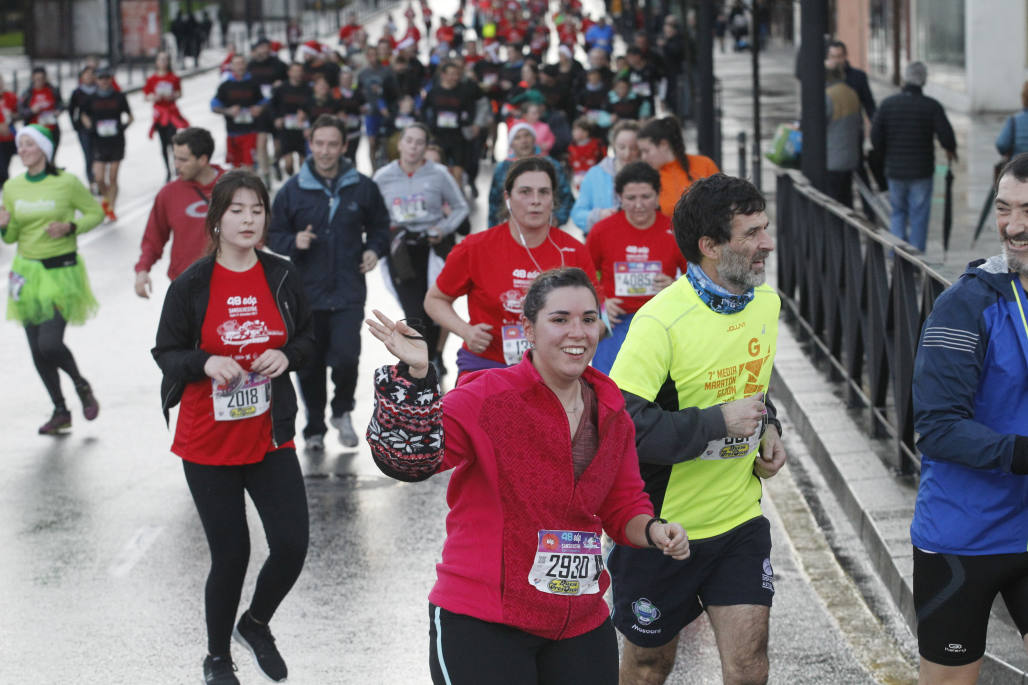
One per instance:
(411, 293)
(465, 650)
(165, 134)
(49, 353)
(276, 488)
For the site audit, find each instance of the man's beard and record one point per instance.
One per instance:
(1014, 262)
(736, 269)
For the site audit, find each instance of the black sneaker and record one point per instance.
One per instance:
(258, 639)
(219, 670)
(90, 407)
(59, 422)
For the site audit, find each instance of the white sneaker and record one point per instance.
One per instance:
(347, 435)
(316, 443)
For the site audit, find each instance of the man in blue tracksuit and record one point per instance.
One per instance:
(970, 528)
(332, 222)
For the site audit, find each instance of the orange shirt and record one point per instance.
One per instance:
(674, 182)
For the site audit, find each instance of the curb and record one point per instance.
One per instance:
(878, 503)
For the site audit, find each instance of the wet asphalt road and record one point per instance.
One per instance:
(102, 558)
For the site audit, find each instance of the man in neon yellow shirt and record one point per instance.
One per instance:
(694, 370)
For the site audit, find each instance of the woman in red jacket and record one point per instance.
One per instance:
(544, 459)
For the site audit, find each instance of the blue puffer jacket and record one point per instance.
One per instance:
(971, 411)
(348, 217)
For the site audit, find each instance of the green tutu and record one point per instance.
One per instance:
(34, 291)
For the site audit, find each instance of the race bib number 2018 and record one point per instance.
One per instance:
(246, 399)
(567, 562)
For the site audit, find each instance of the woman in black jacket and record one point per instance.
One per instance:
(234, 324)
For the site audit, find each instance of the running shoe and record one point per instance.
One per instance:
(316, 443)
(219, 670)
(90, 407)
(258, 639)
(347, 435)
(59, 422)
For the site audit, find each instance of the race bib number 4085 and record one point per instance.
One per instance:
(634, 279)
(567, 562)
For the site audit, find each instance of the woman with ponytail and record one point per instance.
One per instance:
(662, 147)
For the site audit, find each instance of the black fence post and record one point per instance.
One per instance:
(741, 144)
(813, 26)
(705, 138)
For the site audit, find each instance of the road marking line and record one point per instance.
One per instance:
(134, 550)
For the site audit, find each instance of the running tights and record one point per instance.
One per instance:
(467, 651)
(49, 353)
(276, 487)
(165, 134)
(411, 294)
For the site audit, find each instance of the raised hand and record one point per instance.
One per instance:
(402, 341)
(305, 237)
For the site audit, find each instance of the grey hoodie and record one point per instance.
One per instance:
(416, 202)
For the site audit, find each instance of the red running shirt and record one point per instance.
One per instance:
(164, 86)
(242, 321)
(494, 272)
(628, 257)
(8, 113)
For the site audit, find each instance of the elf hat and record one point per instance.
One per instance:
(41, 136)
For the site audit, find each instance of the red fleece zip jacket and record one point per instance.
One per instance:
(508, 441)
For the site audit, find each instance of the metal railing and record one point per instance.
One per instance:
(861, 297)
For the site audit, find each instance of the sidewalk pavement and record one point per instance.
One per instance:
(875, 501)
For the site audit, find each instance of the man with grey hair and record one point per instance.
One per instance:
(904, 130)
(969, 530)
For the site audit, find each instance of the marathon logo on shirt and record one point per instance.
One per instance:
(512, 301)
(29, 207)
(725, 380)
(240, 334)
(637, 253)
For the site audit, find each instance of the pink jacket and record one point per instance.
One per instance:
(507, 439)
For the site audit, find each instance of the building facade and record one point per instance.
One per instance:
(976, 50)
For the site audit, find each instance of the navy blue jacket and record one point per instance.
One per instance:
(904, 130)
(348, 216)
(971, 411)
(857, 80)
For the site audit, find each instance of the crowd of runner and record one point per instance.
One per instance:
(665, 455)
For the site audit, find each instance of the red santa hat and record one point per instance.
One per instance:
(311, 48)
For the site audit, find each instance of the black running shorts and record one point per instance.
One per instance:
(292, 141)
(953, 596)
(464, 650)
(656, 596)
(109, 149)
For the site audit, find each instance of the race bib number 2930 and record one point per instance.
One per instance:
(567, 562)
